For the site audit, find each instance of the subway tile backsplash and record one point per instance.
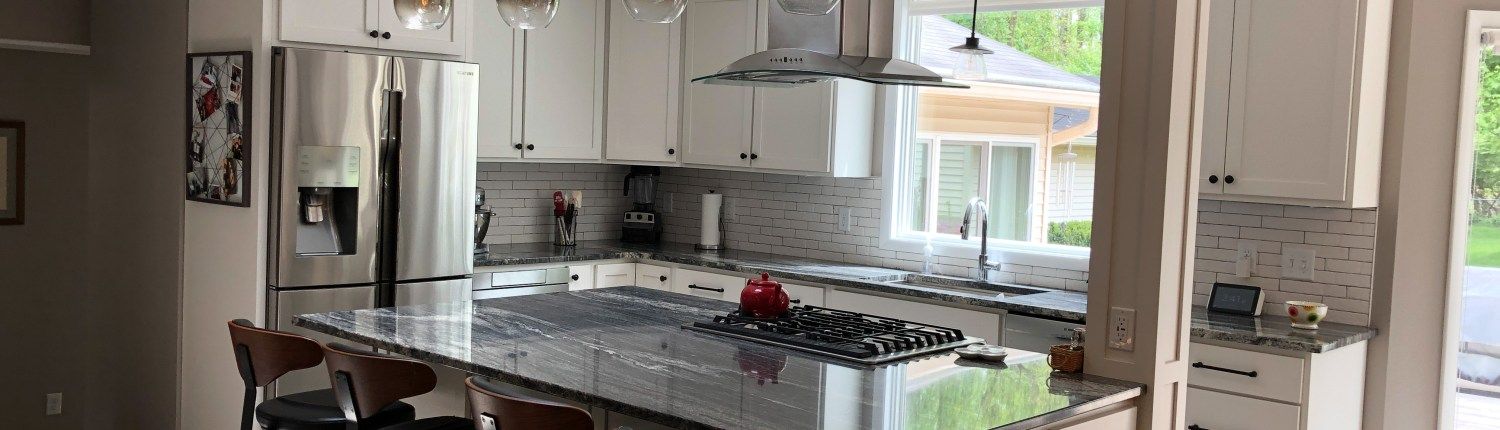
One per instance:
(798, 216)
(521, 196)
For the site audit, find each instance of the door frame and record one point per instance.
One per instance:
(1463, 174)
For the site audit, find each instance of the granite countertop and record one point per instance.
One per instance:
(623, 349)
(1268, 331)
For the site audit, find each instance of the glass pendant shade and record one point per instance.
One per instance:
(527, 14)
(808, 7)
(424, 14)
(655, 11)
(971, 64)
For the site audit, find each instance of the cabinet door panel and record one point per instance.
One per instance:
(793, 127)
(645, 72)
(580, 277)
(804, 295)
(653, 277)
(450, 39)
(335, 22)
(1290, 98)
(563, 84)
(1215, 119)
(718, 118)
(1276, 377)
(709, 285)
(614, 275)
(496, 50)
(1215, 410)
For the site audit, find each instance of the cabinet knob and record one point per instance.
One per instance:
(744, 156)
(374, 33)
(754, 156)
(1213, 179)
(664, 278)
(1229, 179)
(530, 147)
(519, 146)
(671, 151)
(385, 35)
(575, 277)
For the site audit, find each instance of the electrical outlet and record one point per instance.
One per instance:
(1122, 329)
(728, 211)
(1244, 260)
(846, 219)
(666, 203)
(1297, 263)
(54, 403)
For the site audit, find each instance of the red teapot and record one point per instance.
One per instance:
(764, 298)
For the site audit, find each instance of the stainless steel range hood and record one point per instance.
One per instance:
(847, 43)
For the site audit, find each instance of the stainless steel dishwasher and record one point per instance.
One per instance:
(520, 283)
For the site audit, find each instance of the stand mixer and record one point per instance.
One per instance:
(482, 218)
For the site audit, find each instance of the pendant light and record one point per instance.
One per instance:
(971, 65)
(527, 14)
(424, 14)
(808, 7)
(655, 11)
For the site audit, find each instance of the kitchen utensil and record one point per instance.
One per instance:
(1306, 315)
(559, 205)
(764, 298)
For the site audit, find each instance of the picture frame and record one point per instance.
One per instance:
(12, 172)
(218, 148)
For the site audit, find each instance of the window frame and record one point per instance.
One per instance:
(898, 130)
(987, 143)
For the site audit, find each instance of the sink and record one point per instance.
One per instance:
(967, 285)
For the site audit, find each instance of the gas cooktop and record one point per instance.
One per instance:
(847, 335)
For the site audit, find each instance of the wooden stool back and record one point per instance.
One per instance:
(493, 410)
(264, 355)
(364, 382)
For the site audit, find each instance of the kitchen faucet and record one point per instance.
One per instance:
(978, 209)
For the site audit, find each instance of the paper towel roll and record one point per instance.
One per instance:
(713, 206)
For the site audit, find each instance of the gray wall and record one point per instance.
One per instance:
(136, 112)
(57, 21)
(44, 323)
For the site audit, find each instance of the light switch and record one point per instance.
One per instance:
(1297, 263)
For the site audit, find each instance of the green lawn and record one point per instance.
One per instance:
(1484, 246)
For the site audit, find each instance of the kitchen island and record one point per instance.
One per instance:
(624, 350)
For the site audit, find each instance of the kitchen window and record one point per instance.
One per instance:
(1023, 138)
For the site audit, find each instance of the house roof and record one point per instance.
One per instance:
(1007, 65)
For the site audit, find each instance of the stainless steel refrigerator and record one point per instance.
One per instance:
(372, 195)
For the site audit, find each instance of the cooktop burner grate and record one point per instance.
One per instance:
(849, 335)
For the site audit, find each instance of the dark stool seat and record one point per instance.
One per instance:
(434, 423)
(319, 410)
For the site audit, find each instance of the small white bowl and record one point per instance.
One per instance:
(983, 352)
(1306, 315)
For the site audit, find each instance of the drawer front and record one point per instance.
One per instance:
(973, 323)
(1036, 334)
(709, 285)
(1227, 369)
(653, 277)
(614, 275)
(1212, 410)
(804, 295)
(580, 277)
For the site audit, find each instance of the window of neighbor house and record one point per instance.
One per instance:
(1022, 139)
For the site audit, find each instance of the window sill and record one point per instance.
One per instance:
(1001, 252)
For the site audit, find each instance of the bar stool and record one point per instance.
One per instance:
(497, 408)
(264, 355)
(365, 381)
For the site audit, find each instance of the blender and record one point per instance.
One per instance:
(642, 223)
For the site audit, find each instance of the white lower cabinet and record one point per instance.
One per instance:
(804, 295)
(973, 323)
(653, 277)
(708, 285)
(581, 277)
(1233, 388)
(614, 275)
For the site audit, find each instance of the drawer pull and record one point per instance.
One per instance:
(1197, 427)
(1251, 373)
(696, 287)
(797, 301)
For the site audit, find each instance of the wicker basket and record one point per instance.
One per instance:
(1065, 358)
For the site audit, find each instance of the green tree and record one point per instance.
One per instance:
(1486, 186)
(1071, 39)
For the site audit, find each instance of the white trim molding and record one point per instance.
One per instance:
(54, 47)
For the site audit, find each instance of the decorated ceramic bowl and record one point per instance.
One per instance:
(1306, 315)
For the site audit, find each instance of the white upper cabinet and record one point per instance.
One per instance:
(1295, 101)
(563, 84)
(644, 85)
(370, 24)
(494, 47)
(718, 119)
(824, 128)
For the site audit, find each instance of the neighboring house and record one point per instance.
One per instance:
(1028, 111)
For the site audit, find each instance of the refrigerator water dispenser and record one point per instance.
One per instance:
(328, 184)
